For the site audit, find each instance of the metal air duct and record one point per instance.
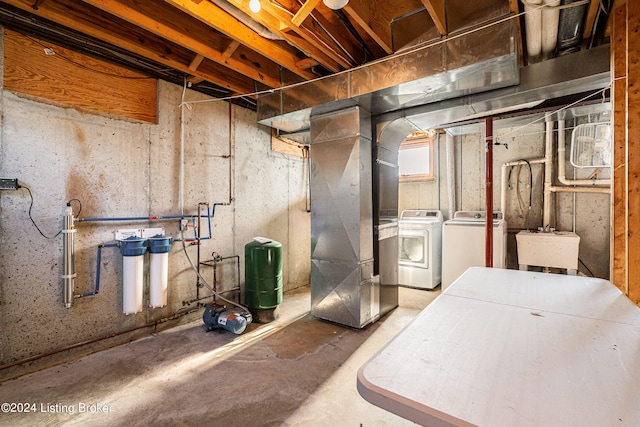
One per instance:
(476, 61)
(344, 288)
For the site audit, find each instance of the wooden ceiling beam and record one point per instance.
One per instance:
(312, 38)
(276, 25)
(197, 60)
(307, 63)
(182, 30)
(231, 48)
(590, 20)
(437, 12)
(324, 29)
(304, 11)
(218, 19)
(373, 21)
(102, 26)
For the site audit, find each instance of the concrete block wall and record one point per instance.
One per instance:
(589, 213)
(122, 168)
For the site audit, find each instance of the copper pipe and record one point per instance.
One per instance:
(230, 152)
(197, 242)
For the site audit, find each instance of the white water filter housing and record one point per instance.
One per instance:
(158, 277)
(132, 249)
(132, 283)
(159, 246)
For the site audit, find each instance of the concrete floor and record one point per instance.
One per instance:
(295, 371)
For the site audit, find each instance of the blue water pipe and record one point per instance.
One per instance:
(98, 262)
(210, 214)
(139, 218)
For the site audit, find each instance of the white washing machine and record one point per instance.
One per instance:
(463, 243)
(420, 248)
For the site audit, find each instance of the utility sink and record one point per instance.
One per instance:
(555, 249)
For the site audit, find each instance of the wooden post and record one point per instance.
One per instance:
(619, 96)
(633, 150)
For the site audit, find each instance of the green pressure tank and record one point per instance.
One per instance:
(263, 273)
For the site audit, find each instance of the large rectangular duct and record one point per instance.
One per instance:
(478, 60)
(344, 288)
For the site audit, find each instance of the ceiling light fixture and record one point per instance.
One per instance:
(335, 4)
(254, 6)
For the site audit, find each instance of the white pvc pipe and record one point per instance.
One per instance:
(132, 283)
(548, 165)
(589, 186)
(182, 130)
(503, 190)
(549, 31)
(533, 29)
(562, 167)
(451, 175)
(557, 189)
(158, 279)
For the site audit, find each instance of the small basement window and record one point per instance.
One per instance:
(415, 157)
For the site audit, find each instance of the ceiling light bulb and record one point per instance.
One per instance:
(335, 4)
(254, 5)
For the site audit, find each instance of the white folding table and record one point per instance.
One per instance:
(514, 348)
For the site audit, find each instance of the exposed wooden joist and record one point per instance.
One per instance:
(155, 17)
(633, 149)
(437, 12)
(619, 98)
(373, 20)
(590, 20)
(100, 25)
(231, 48)
(217, 18)
(324, 27)
(197, 60)
(307, 63)
(286, 146)
(195, 80)
(274, 24)
(309, 36)
(304, 11)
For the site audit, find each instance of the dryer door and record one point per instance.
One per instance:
(413, 248)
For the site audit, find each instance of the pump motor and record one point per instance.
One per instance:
(219, 317)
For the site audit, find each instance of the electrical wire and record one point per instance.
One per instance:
(585, 266)
(34, 222)
(80, 203)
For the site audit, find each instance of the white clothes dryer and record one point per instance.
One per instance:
(420, 248)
